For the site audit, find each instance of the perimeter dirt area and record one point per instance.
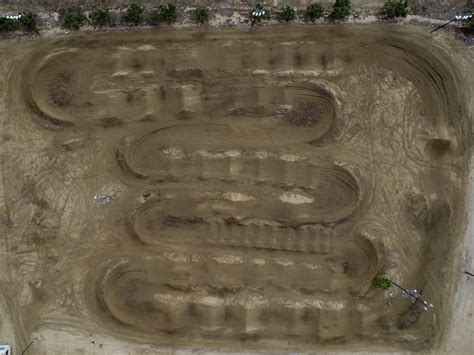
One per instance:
(232, 190)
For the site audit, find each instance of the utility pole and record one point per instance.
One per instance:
(457, 18)
(413, 295)
(33, 341)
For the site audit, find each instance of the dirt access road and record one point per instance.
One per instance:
(258, 182)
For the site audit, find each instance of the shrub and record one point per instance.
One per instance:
(73, 19)
(395, 8)
(341, 9)
(115, 18)
(154, 17)
(314, 11)
(8, 25)
(100, 18)
(202, 14)
(382, 282)
(168, 13)
(133, 15)
(29, 22)
(259, 13)
(287, 13)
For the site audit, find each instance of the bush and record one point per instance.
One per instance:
(8, 25)
(29, 22)
(133, 15)
(164, 13)
(394, 8)
(314, 11)
(73, 19)
(202, 15)
(167, 13)
(341, 9)
(259, 13)
(154, 17)
(382, 282)
(100, 18)
(287, 13)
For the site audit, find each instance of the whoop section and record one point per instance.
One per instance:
(243, 296)
(59, 96)
(273, 181)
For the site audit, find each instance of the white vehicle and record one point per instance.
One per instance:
(463, 17)
(13, 17)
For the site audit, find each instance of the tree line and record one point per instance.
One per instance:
(135, 15)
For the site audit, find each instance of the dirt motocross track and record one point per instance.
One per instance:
(253, 185)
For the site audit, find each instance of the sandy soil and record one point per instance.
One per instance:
(258, 181)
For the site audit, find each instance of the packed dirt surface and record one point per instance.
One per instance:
(232, 190)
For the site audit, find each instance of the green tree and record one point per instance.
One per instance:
(167, 13)
(382, 282)
(341, 9)
(73, 19)
(314, 11)
(100, 18)
(133, 15)
(395, 8)
(29, 22)
(287, 13)
(202, 15)
(8, 25)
